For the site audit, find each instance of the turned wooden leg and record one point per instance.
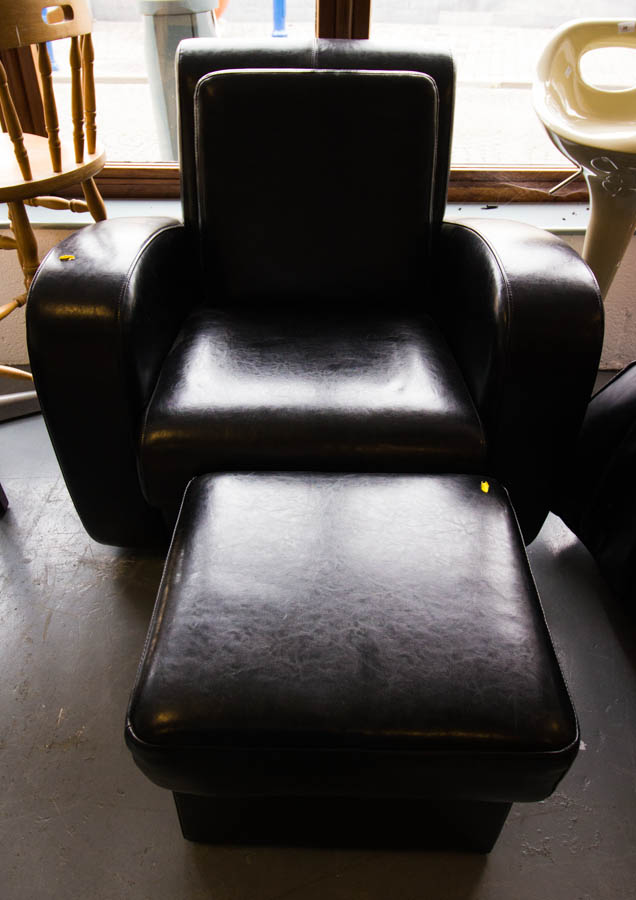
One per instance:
(94, 200)
(25, 239)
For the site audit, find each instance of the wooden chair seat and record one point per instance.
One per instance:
(12, 185)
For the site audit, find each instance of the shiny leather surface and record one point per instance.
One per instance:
(597, 499)
(251, 390)
(198, 57)
(98, 327)
(519, 310)
(352, 222)
(350, 634)
(524, 319)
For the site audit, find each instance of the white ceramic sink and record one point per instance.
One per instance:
(594, 127)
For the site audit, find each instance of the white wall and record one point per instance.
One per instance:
(620, 321)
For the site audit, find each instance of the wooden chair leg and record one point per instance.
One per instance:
(94, 200)
(25, 239)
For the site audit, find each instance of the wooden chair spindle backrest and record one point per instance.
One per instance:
(90, 103)
(22, 22)
(50, 109)
(12, 123)
(34, 22)
(77, 99)
(26, 28)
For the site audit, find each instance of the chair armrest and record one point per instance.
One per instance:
(524, 317)
(103, 311)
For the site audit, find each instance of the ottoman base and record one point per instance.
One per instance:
(433, 823)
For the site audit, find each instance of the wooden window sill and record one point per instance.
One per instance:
(491, 185)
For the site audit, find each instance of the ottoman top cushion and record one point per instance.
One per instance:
(338, 612)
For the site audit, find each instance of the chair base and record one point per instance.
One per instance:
(431, 823)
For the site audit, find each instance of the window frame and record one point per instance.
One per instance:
(334, 19)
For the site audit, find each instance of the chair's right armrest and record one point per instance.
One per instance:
(103, 310)
(523, 316)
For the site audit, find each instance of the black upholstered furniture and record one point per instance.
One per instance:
(597, 495)
(348, 623)
(349, 657)
(312, 311)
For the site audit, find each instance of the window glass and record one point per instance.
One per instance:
(496, 45)
(134, 43)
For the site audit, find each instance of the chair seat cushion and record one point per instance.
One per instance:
(312, 391)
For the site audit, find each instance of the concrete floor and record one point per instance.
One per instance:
(79, 821)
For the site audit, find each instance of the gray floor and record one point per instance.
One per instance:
(79, 821)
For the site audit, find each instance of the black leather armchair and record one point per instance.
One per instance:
(312, 311)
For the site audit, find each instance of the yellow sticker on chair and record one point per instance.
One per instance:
(66, 257)
(485, 487)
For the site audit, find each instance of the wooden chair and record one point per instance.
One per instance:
(35, 168)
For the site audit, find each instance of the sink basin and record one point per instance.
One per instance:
(595, 128)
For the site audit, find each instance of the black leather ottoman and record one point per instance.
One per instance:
(349, 658)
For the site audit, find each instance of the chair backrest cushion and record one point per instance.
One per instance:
(315, 185)
(198, 57)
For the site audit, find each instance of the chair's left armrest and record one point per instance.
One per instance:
(523, 315)
(103, 311)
